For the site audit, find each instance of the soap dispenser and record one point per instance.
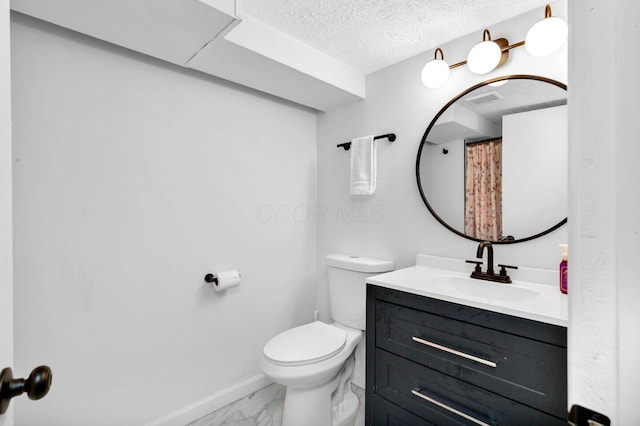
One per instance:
(563, 268)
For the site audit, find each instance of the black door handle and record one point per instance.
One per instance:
(36, 386)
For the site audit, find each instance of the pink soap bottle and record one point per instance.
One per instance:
(563, 268)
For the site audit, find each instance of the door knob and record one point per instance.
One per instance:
(36, 386)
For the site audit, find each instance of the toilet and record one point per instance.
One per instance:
(316, 361)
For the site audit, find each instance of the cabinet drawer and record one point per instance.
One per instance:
(519, 368)
(388, 414)
(444, 400)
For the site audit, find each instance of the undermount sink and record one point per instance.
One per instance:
(487, 290)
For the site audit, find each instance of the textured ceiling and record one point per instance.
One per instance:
(372, 34)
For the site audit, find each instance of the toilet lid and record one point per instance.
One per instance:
(306, 344)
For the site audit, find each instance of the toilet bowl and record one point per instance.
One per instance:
(313, 374)
(316, 361)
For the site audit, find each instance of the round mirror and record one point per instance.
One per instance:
(492, 165)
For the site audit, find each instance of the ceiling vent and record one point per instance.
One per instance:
(484, 98)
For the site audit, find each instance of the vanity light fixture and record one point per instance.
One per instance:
(544, 38)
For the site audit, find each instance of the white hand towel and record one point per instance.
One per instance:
(363, 166)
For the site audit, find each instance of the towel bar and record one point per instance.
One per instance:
(390, 136)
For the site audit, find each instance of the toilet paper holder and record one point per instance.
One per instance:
(221, 281)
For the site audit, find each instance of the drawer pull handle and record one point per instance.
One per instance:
(453, 351)
(446, 407)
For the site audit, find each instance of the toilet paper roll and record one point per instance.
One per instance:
(226, 279)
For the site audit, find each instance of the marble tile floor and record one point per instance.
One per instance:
(261, 408)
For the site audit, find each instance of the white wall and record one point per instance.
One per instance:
(134, 178)
(604, 208)
(394, 223)
(534, 167)
(628, 209)
(6, 242)
(446, 195)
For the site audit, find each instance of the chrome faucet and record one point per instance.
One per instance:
(490, 275)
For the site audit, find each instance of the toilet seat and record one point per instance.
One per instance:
(306, 344)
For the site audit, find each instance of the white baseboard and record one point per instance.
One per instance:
(212, 403)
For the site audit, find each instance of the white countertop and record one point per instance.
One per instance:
(544, 301)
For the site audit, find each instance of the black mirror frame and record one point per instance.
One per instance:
(424, 140)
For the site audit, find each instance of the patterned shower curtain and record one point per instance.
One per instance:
(483, 190)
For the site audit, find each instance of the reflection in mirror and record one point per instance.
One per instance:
(492, 165)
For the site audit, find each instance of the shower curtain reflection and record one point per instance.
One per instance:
(483, 189)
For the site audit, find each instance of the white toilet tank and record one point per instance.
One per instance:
(347, 287)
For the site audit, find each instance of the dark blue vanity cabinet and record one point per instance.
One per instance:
(431, 362)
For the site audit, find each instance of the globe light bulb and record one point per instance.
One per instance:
(547, 35)
(436, 72)
(484, 57)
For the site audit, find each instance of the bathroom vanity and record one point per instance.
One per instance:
(446, 349)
